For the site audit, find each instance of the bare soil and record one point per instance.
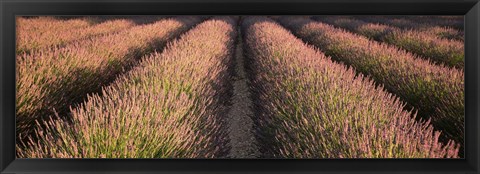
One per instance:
(241, 133)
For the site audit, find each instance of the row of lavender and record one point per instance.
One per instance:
(309, 106)
(445, 28)
(436, 92)
(420, 42)
(456, 22)
(51, 80)
(45, 32)
(169, 106)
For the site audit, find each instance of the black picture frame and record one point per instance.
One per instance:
(11, 8)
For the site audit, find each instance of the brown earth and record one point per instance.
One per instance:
(241, 133)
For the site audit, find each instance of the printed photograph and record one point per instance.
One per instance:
(227, 87)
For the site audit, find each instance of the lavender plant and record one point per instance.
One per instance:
(170, 106)
(442, 51)
(312, 107)
(436, 92)
(52, 80)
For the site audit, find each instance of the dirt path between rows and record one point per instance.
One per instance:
(242, 140)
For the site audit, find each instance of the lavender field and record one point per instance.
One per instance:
(240, 87)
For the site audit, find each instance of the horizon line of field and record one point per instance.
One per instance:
(381, 22)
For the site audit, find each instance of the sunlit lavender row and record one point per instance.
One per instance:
(169, 106)
(312, 107)
(444, 32)
(437, 92)
(422, 43)
(53, 79)
(240, 87)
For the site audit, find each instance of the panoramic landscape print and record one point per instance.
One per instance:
(294, 87)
